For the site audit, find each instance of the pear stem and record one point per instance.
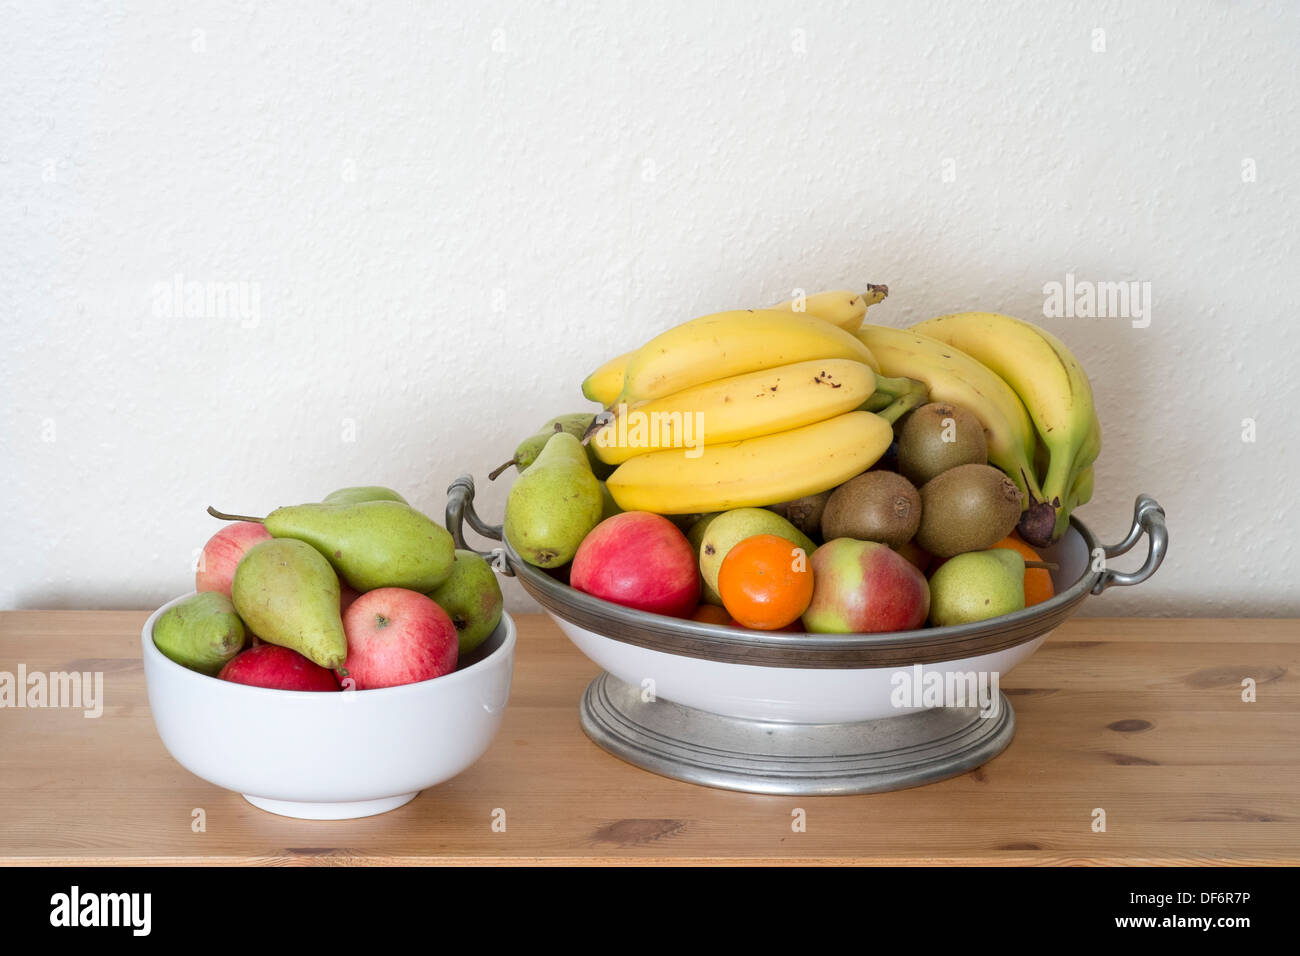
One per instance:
(1043, 565)
(225, 517)
(492, 475)
(601, 419)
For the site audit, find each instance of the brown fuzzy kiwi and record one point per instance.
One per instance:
(875, 506)
(937, 437)
(804, 513)
(967, 508)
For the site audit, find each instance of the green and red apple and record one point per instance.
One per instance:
(864, 587)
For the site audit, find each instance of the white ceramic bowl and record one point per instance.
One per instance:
(329, 756)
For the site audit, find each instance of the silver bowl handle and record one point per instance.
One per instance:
(1148, 519)
(460, 509)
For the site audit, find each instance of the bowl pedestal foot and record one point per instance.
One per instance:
(331, 811)
(731, 753)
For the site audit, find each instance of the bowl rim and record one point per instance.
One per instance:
(722, 642)
(375, 694)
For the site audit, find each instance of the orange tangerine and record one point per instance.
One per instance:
(1038, 581)
(765, 582)
(711, 614)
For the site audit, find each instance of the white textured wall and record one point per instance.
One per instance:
(452, 212)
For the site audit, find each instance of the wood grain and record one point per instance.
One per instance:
(1143, 718)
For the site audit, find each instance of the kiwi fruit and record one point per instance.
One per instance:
(967, 508)
(875, 506)
(937, 437)
(804, 513)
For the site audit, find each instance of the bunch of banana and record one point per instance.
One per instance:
(745, 408)
(953, 376)
(1054, 390)
(841, 308)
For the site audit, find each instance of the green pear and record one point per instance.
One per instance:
(576, 424)
(471, 596)
(352, 496)
(202, 632)
(288, 594)
(554, 504)
(732, 527)
(372, 544)
(695, 535)
(976, 586)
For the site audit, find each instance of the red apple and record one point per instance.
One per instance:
(639, 560)
(269, 665)
(396, 636)
(223, 552)
(863, 587)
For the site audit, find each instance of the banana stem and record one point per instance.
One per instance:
(889, 393)
(876, 402)
(894, 387)
(225, 517)
(904, 403)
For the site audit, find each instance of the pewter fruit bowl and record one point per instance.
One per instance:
(780, 712)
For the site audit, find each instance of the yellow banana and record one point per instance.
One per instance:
(604, 384)
(732, 343)
(731, 409)
(1081, 493)
(1089, 450)
(1081, 478)
(1051, 383)
(754, 472)
(953, 376)
(842, 307)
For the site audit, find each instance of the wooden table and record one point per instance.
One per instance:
(1141, 718)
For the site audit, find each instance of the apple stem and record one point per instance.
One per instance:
(1043, 565)
(225, 517)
